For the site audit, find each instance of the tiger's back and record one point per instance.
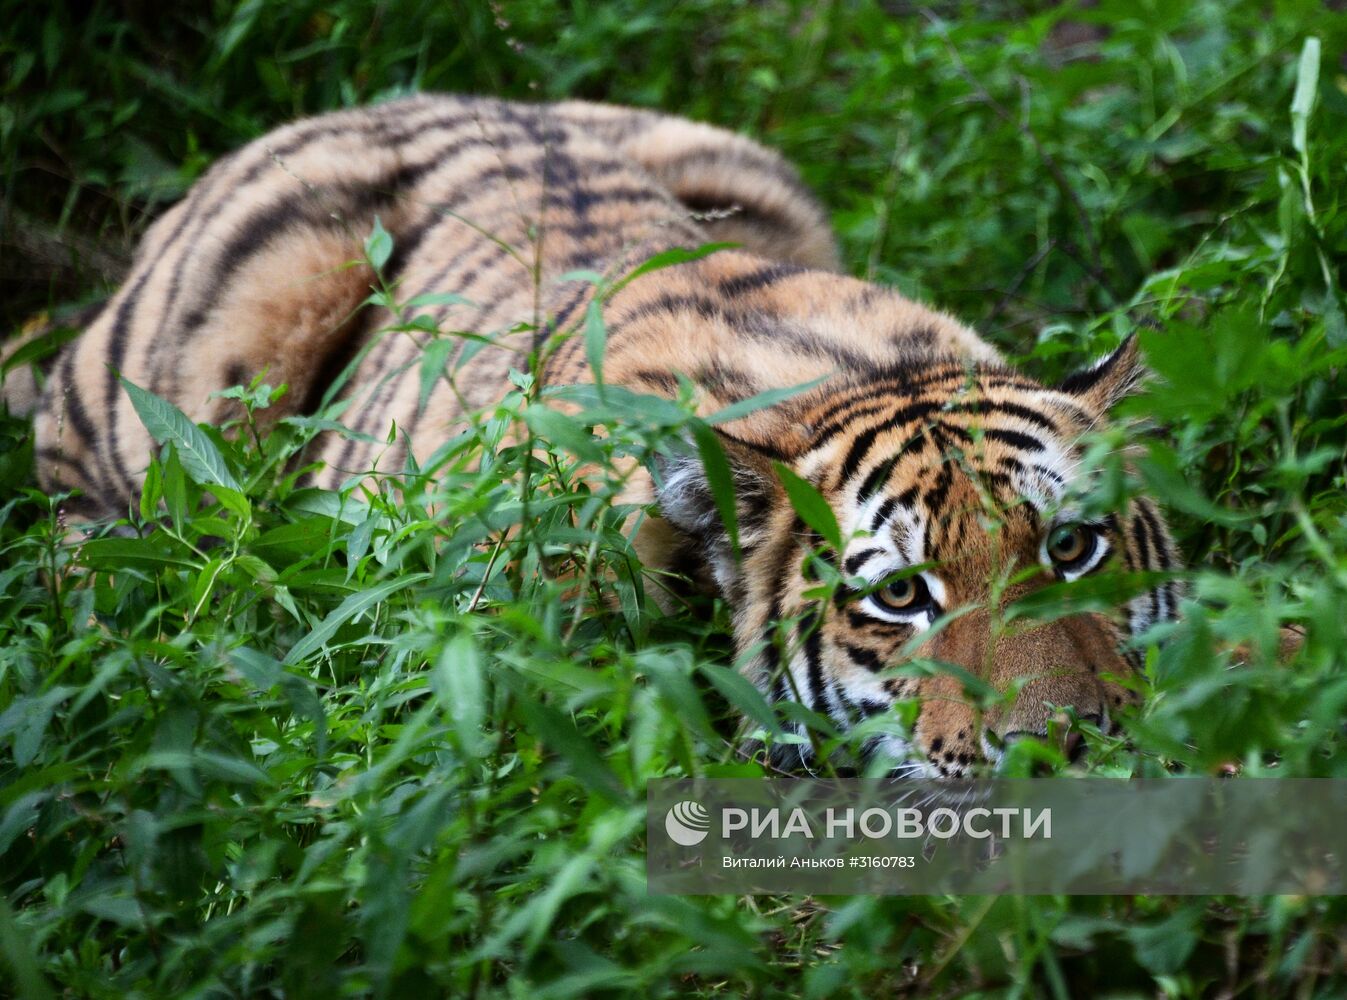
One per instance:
(260, 267)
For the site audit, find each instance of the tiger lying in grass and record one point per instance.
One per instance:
(929, 450)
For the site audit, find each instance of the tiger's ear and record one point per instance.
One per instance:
(1109, 379)
(686, 498)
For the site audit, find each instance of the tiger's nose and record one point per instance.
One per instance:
(1072, 742)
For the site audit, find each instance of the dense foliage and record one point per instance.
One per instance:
(264, 740)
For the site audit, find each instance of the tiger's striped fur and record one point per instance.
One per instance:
(928, 449)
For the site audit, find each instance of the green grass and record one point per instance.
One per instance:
(300, 743)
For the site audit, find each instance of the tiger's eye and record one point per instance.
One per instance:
(1071, 543)
(904, 595)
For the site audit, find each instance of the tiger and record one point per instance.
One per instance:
(953, 478)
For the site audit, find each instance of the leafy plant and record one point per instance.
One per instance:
(261, 739)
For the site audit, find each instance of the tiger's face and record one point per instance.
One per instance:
(958, 490)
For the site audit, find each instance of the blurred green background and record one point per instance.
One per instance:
(188, 809)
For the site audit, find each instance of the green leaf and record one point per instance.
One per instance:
(167, 424)
(596, 339)
(233, 501)
(16, 946)
(672, 678)
(974, 687)
(810, 505)
(460, 686)
(719, 478)
(209, 764)
(1168, 479)
(739, 691)
(43, 346)
(669, 258)
(347, 610)
(175, 489)
(559, 734)
(563, 430)
(593, 277)
(436, 299)
(1163, 948)
(151, 552)
(619, 405)
(378, 245)
(1307, 88)
(1102, 593)
(151, 491)
(122, 910)
(761, 401)
(434, 356)
(264, 673)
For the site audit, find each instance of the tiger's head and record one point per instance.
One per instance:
(957, 488)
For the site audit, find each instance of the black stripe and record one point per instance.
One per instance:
(890, 384)
(582, 198)
(772, 665)
(359, 198)
(50, 457)
(882, 514)
(867, 658)
(378, 129)
(1169, 591)
(1013, 438)
(814, 659)
(117, 344)
(923, 335)
(1152, 522)
(877, 478)
(1075, 413)
(860, 447)
(666, 304)
(703, 204)
(731, 384)
(1044, 471)
(73, 403)
(860, 621)
(1082, 382)
(906, 497)
(659, 379)
(779, 578)
(261, 228)
(761, 447)
(757, 324)
(825, 433)
(953, 430)
(1006, 379)
(90, 507)
(934, 498)
(578, 298)
(1014, 409)
(754, 280)
(473, 258)
(1140, 536)
(855, 562)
